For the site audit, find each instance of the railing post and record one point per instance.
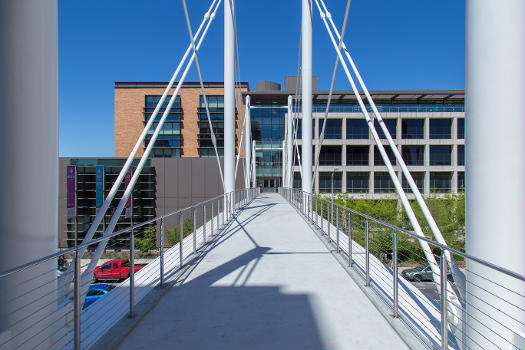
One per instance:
(337, 227)
(316, 212)
(443, 282)
(395, 274)
(322, 217)
(311, 207)
(161, 249)
(195, 230)
(181, 238)
(131, 274)
(350, 239)
(204, 222)
(211, 220)
(367, 256)
(218, 210)
(77, 306)
(329, 220)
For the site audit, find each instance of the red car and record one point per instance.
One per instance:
(117, 269)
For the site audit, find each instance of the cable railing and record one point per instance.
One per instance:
(384, 255)
(40, 317)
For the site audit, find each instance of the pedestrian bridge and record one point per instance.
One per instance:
(266, 281)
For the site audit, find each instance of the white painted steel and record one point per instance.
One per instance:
(229, 99)
(29, 176)
(114, 219)
(289, 145)
(306, 82)
(138, 145)
(254, 173)
(397, 184)
(495, 168)
(458, 275)
(247, 144)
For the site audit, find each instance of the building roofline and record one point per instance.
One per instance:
(163, 84)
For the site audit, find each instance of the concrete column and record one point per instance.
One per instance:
(29, 176)
(306, 83)
(229, 99)
(495, 170)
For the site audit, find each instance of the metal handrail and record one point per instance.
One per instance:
(105, 238)
(412, 234)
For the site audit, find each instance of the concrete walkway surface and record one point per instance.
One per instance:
(267, 282)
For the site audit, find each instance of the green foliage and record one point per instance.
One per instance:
(448, 211)
(148, 240)
(173, 235)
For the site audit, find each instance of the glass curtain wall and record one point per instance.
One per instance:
(216, 108)
(168, 143)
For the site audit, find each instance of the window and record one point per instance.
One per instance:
(419, 179)
(440, 155)
(299, 127)
(356, 129)
(325, 181)
(330, 155)
(412, 128)
(461, 154)
(461, 181)
(383, 183)
(357, 155)
(106, 266)
(440, 128)
(357, 182)
(115, 265)
(333, 128)
(94, 292)
(414, 155)
(391, 125)
(297, 149)
(378, 160)
(296, 180)
(440, 182)
(461, 128)
(216, 109)
(168, 142)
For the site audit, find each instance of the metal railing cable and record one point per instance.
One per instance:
(458, 276)
(368, 239)
(192, 40)
(334, 73)
(65, 323)
(113, 191)
(397, 184)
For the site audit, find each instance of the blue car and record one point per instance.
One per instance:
(95, 292)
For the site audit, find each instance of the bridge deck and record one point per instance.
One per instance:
(266, 282)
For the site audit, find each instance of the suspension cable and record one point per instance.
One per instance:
(321, 136)
(67, 276)
(213, 138)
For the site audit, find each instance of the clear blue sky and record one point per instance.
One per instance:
(408, 44)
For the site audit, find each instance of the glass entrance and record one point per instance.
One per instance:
(269, 183)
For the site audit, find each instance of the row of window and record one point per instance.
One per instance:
(410, 128)
(388, 107)
(359, 182)
(412, 155)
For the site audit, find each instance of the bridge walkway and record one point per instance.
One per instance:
(266, 282)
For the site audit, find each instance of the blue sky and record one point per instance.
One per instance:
(407, 44)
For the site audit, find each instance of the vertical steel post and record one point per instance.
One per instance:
(132, 274)
(161, 249)
(337, 227)
(316, 212)
(77, 306)
(329, 219)
(194, 230)
(218, 210)
(247, 144)
(367, 238)
(350, 239)
(181, 238)
(322, 218)
(443, 286)
(211, 219)
(204, 222)
(306, 83)
(395, 275)
(289, 144)
(229, 98)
